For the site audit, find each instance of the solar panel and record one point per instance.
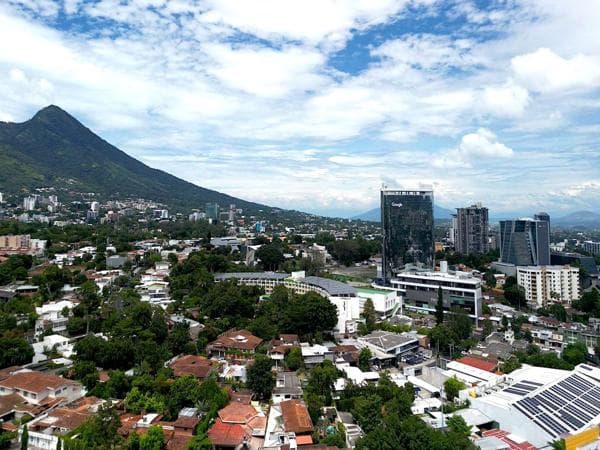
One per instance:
(578, 409)
(516, 391)
(556, 427)
(571, 420)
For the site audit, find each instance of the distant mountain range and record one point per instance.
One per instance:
(578, 218)
(55, 149)
(374, 215)
(585, 219)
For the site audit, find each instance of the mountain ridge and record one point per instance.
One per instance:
(54, 148)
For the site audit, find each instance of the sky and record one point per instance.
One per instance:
(315, 104)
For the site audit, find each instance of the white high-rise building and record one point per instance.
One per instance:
(29, 203)
(95, 206)
(1, 197)
(589, 246)
(549, 284)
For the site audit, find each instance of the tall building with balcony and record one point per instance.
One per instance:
(407, 222)
(549, 284)
(471, 227)
(525, 242)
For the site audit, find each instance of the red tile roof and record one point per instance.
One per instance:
(504, 437)
(479, 363)
(237, 340)
(35, 382)
(226, 434)
(296, 418)
(304, 440)
(236, 412)
(197, 366)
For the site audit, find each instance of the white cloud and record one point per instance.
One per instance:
(267, 72)
(545, 71)
(508, 100)
(178, 84)
(473, 149)
(316, 22)
(428, 51)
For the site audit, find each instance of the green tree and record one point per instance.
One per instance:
(439, 307)
(490, 279)
(575, 353)
(14, 351)
(364, 359)
(200, 442)
(367, 412)
(488, 328)
(293, 359)
(260, 377)
(321, 380)
(154, 439)
(369, 314)
(133, 442)
(460, 323)
(314, 404)
(510, 365)
(270, 256)
(24, 438)
(457, 425)
(452, 386)
(309, 314)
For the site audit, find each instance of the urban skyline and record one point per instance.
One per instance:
(505, 93)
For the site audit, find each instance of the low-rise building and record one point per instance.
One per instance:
(238, 343)
(197, 366)
(394, 345)
(53, 316)
(287, 387)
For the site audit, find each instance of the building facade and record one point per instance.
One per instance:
(407, 222)
(419, 291)
(549, 284)
(471, 227)
(525, 242)
(591, 247)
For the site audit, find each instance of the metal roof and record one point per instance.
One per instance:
(251, 276)
(332, 287)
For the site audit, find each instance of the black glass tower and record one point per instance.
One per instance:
(407, 222)
(525, 242)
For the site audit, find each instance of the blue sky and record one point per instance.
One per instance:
(314, 104)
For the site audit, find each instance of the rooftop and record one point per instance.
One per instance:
(332, 287)
(296, 418)
(226, 435)
(236, 412)
(387, 340)
(35, 382)
(251, 276)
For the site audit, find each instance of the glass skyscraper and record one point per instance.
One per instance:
(407, 222)
(525, 242)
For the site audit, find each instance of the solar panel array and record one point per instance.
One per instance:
(563, 407)
(523, 387)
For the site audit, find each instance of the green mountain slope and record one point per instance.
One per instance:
(54, 149)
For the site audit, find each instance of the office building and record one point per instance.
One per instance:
(593, 248)
(212, 211)
(1, 197)
(525, 242)
(471, 227)
(407, 222)
(549, 284)
(419, 291)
